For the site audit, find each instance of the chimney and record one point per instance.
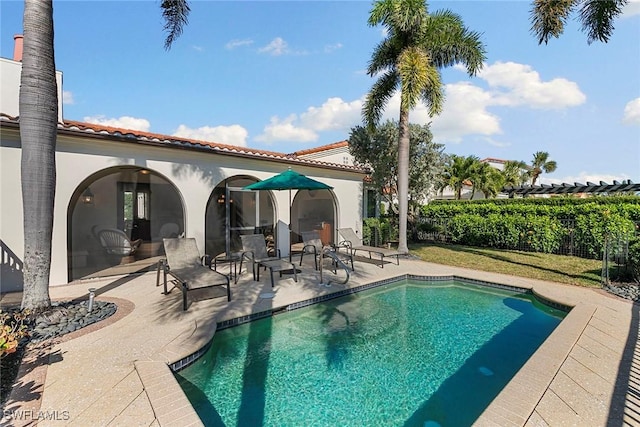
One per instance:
(17, 47)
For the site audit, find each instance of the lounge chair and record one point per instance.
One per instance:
(353, 243)
(188, 268)
(313, 245)
(254, 250)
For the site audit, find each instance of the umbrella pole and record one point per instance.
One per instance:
(289, 225)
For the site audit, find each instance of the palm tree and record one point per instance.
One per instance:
(541, 163)
(515, 172)
(548, 17)
(457, 172)
(409, 58)
(38, 131)
(486, 179)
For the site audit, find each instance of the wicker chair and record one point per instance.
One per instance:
(117, 244)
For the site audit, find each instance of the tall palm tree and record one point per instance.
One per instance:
(548, 17)
(38, 106)
(458, 171)
(409, 58)
(38, 128)
(539, 164)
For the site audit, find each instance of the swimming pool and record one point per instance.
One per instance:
(407, 353)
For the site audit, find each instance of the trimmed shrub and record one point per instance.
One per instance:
(634, 259)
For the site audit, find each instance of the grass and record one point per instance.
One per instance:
(554, 268)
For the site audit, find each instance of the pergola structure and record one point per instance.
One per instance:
(626, 186)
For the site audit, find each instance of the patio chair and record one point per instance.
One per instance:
(353, 243)
(116, 243)
(254, 250)
(313, 245)
(189, 269)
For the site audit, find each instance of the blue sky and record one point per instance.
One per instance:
(285, 76)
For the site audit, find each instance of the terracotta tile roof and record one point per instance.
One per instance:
(136, 136)
(322, 148)
(493, 160)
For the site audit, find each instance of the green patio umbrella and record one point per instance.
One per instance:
(289, 180)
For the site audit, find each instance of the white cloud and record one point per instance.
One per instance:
(276, 47)
(67, 97)
(124, 122)
(632, 112)
(286, 130)
(467, 107)
(231, 135)
(515, 84)
(495, 143)
(332, 47)
(631, 9)
(584, 177)
(197, 48)
(238, 43)
(466, 110)
(464, 113)
(333, 114)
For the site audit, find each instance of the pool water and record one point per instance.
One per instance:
(411, 353)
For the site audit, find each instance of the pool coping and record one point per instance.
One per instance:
(513, 406)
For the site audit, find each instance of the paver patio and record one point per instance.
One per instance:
(586, 374)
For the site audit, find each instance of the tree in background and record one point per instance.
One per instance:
(378, 149)
(457, 171)
(549, 17)
(515, 173)
(486, 179)
(417, 45)
(539, 164)
(38, 104)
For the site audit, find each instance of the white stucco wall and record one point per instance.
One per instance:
(339, 156)
(10, 88)
(194, 174)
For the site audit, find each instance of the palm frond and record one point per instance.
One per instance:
(382, 90)
(384, 56)
(449, 42)
(398, 15)
(433, 95)
(548, 18)
(176, 16)
(414, 71)
(597, 18)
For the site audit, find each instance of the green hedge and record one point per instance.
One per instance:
(634, 259)
(541, 225)
(557, 207)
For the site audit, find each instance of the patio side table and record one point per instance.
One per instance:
(232, 259)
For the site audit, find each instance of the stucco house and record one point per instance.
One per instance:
(152, 186)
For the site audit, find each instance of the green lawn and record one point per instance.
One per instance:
(554, 268)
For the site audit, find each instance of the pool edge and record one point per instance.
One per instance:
(515, 403)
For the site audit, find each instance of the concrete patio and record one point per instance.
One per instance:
(116, 373)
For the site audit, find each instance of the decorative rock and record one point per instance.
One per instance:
(629, 291)
(68, 317)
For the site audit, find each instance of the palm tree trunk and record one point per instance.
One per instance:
(403, 180)
(38, 127)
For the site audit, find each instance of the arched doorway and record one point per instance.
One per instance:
(313, 210)
(233, 211)
(116, 220)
